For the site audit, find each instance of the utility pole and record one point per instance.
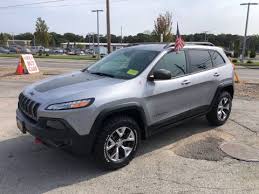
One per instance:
(93, 44)
(245, 37)
(205, 35)
(108, 26)
(98, 29)
(161, 38)
(121, 36)
(89, 40)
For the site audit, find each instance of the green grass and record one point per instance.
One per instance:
(69, 57)
(247, 64)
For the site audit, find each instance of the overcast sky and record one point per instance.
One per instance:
(221, 16)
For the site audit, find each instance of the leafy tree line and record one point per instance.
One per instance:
(228, 41)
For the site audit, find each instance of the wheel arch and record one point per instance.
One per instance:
(134, 111)
(223, 88)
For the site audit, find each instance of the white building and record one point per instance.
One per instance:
(87, 45)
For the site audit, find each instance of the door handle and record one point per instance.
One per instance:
(186, 82)
(216, 74)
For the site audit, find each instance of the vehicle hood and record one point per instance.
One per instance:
(68, 85)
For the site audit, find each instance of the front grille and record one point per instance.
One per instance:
(28, 106)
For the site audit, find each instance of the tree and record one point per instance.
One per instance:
(3, 39)
(70, 37)
(41, 33)
(237, 49)
(163, 25)
(24, 36)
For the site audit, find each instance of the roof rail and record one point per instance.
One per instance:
(144, 43)
(191, 43)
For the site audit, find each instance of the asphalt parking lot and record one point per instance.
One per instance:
(185, 159)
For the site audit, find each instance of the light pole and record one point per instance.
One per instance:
(108, 26)
(247, 19)
(98, 29)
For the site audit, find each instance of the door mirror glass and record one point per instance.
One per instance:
(161, 74)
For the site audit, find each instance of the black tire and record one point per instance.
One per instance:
(109, 129)
(213, 116)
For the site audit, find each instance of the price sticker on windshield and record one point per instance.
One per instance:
(132, 72)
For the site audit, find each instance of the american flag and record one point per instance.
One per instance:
(179, 43)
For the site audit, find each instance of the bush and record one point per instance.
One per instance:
(252, 54)
(249, 62)
(234, 61)
(236, 54)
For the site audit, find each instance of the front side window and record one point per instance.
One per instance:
(200, 60)
(216, 59)
(175, 62)
(124, 64)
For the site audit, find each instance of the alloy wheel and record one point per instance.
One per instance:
(120, 144)
(223, 109)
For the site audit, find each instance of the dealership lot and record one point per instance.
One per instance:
(185, 159)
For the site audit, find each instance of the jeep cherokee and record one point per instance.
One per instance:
(107, 108)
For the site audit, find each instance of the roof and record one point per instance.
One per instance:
(152, 47)
(162, 47)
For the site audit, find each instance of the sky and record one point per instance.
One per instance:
(134, 16)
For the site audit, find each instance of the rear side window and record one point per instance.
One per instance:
(217, 59)
(175, 62)
(200, 60)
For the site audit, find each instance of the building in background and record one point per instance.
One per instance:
(93, 46)
(24, 43)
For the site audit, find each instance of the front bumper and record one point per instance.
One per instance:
(64, 136)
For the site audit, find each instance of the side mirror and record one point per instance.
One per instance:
(161, 74)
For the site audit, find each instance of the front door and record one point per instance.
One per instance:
(168, 98)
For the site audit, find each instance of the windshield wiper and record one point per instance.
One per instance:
(101, 74)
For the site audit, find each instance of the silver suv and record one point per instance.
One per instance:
(107, 108)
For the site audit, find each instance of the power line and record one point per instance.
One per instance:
(65, 5)
(26, 4)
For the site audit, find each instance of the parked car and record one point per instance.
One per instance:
(25, 50)
(13, 49)
(71, 52)
(4, 50)
(57, 51)
(133, 93)
(79, 52)
(37, 49)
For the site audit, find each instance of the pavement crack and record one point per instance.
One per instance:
(241, 125)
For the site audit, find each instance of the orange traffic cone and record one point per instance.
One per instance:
(19, 70)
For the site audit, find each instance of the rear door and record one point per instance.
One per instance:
(219, 63)
(203, 79)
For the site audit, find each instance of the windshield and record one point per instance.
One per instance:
(124, 64)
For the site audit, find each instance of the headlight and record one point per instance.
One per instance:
(71, 105)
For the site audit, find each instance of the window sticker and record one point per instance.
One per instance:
(132, 72)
